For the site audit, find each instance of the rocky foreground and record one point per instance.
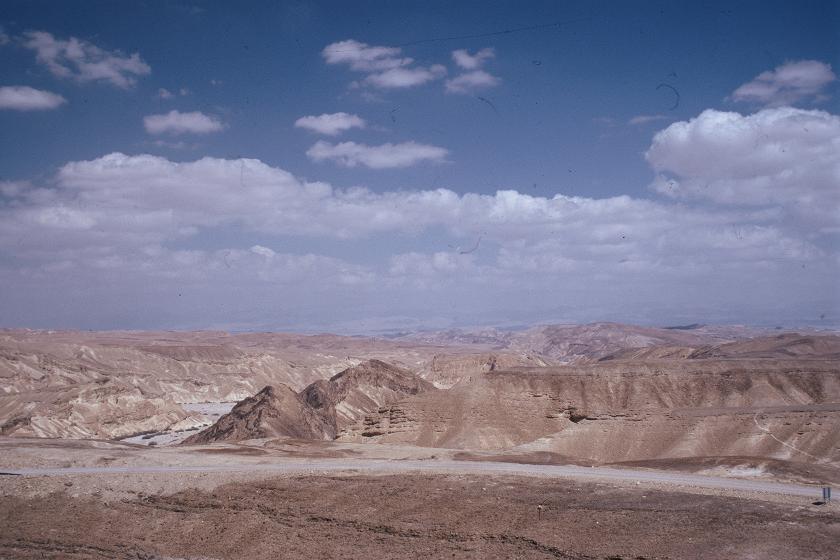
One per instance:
(410, 516)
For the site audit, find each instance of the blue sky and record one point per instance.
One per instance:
(653, 162)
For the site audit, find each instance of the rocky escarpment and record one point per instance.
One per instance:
(448, 370)
(625, 410)
(102, 410)
(348, 396)
(780, 347)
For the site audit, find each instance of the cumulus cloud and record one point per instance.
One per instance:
(175, 122)
(85, 62)
(783, 157)
(787, 84)
(331, 124)
(25, 98)
(148, 199)
(385, 156)
(468, 61)
(471, 81)
(385, 67)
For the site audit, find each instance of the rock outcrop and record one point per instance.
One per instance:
(318, 412)
(348, 396)
(628, 410)
(106, 409)
(273, 412)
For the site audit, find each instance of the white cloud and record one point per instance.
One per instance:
(406, 77)
(85, 62)
(175, 122)
(4, 37)
(470, 81)
(62, 217)
(138, 200)
(330, 124)
(264, 251)
(783, 157)
(385, 67)
(646, 119)
(385, 156)
(363, 57)
(25, 98)
(474, 79)
(164, 93)
(787, 84)
(117, 221)
(13, 189)
(468, 61)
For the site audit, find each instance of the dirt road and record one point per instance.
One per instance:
(374, 467)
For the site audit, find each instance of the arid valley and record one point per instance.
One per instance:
(561, 441)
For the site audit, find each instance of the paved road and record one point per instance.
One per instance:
(373, 466)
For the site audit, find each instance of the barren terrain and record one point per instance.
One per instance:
(594, 441)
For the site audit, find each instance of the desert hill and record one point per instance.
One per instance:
(447, 370)
(347, 396)
(789, 345)
(667, 405)
(321, 411)
(104, 410)
(576, 343)
(273, 412)
(783, 346)
(606, 414)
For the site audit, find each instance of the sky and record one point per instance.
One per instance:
(369, 167)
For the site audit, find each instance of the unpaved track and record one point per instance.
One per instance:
(373, 467)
